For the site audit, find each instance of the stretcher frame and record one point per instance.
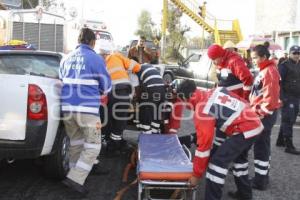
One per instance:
(144, 186)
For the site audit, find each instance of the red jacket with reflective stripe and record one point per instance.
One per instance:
(236, 67)
(265, 94)
(245, 122)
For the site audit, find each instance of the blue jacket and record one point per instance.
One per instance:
(85, 78)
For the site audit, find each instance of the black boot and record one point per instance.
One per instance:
(114, 148)
(99, 169)
(280, 140)
(237, 195)
(80, 189)
(290, 148)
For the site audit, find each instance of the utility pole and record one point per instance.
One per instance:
(41, 3)
(164, 25)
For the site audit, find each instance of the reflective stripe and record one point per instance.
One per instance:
(262, 163)
(144, 72)
(151, 77)
(83, 165)
(211, 100)
(266, 110)
(132, 64)
(77, 142)
(155, 85)
(156, 125)
(92, 146)
(220, 139)
(260, 171)
(214, 178)
(136, 121)
(115, 69)
(115, 137)
(254, 132)
(107, 91)
(147, 132)
(217, 143)
(240, 173)
(81, 109)
(202, 154)
(145, 127)
(234, 87)
(247, 88)
(224, 69)
(123, 80)
(80, 81)
(153, 130)
(218, 169)
(240, 166)
(173, 130)
(235, 115)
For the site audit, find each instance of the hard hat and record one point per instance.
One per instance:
(104, 47)
(229, 44)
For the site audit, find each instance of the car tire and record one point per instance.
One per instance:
(56, 165)
(168, 78)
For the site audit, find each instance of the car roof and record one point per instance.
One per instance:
(31, 52)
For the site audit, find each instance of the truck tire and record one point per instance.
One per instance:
(56, 165)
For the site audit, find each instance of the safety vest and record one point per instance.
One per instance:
(118, 67)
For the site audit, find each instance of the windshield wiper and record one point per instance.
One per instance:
(37, 74)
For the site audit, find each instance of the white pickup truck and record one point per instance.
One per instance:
(30, 125)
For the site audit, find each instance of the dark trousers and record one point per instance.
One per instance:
(262, 151)
(115, 114)
(150, 109)
(289, 112)
(234, 149)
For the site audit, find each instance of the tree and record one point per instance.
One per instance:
(47, 4)
(175, 40)
(146, 26)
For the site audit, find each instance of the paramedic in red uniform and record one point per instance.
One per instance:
(265, 101)
(232, 73)
(220, 109)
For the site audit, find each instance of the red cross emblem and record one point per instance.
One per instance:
(224, 99)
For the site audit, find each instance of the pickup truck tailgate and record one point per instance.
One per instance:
(13, 106)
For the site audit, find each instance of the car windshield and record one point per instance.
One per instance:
(149, 44)
(103, 36)
(38, 65)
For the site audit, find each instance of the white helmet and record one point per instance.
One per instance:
(104, 47)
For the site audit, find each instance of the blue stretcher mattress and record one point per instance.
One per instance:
(162, 154)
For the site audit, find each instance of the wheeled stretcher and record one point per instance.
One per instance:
(163, 164)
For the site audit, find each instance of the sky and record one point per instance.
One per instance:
(121, 16)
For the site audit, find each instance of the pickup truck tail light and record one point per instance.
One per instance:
(36, 103)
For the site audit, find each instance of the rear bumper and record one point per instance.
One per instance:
(31, 147)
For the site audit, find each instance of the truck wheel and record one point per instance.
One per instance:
(56, 165)
(168, 78)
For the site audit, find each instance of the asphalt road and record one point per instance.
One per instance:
(23, 180)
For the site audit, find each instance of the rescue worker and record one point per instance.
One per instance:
(118, 67)
(151, 99)
(265, 101)
(85, 79)
(232, 73)
(140, 53)
(230, 46)
(224, 110)
(290, 94)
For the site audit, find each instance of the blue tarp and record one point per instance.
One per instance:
(162, 153)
